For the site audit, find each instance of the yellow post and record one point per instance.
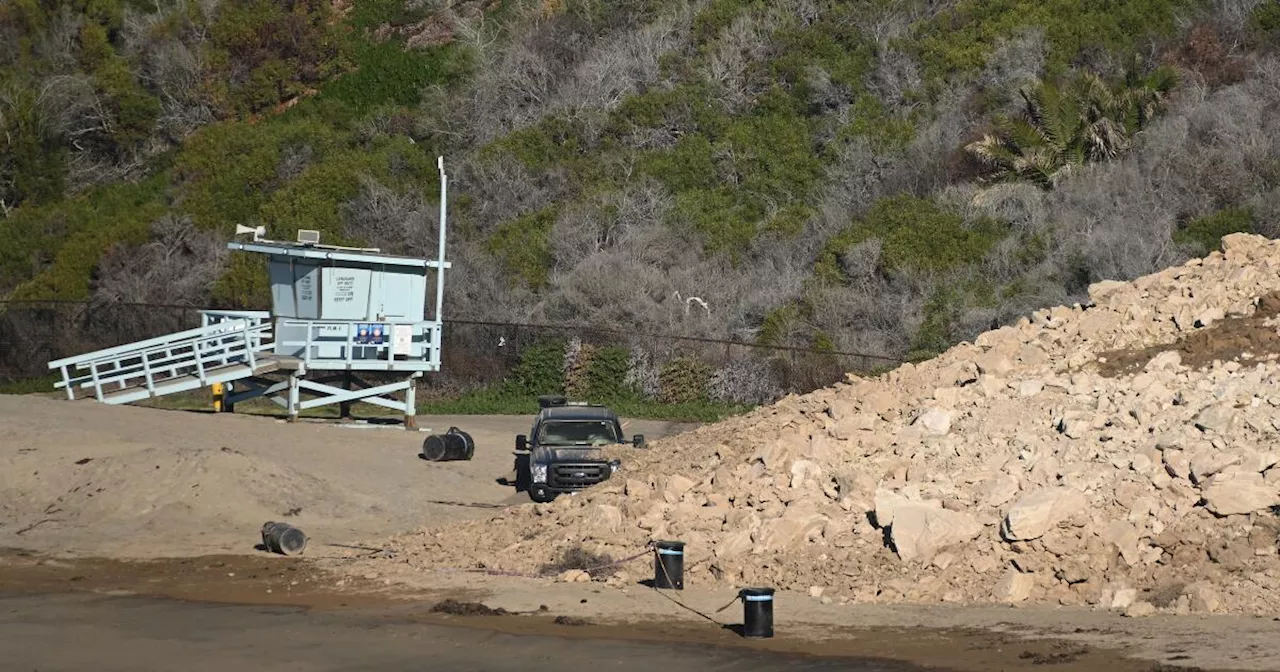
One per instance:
(217, 397)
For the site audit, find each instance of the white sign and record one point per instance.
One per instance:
(402, 339)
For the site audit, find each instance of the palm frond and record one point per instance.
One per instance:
(992, 151)
(1105, 139)
(1025, 135)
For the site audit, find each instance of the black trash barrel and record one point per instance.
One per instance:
(668, 565)
(283, 538)
(757, 612)
(454, 444)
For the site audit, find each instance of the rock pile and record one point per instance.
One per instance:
(1122, 455)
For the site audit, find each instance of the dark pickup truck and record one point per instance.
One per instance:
(563, 452)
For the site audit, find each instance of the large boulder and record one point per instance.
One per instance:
(935, 421)
(1238, 492)
(604, 517)
(795, 526)
(920, 530)
(1041, 510)
(1219, 418)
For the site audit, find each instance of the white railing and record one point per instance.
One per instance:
(336, 343)
(254, 317)
(226, 318)
(193, 352)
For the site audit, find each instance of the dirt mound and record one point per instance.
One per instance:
(1253, 337)
(1006, 470)
(171, 491)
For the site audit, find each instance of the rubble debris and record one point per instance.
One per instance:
(1086, 455)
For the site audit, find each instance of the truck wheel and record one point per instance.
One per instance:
(540, 494)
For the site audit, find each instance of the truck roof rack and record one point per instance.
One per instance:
(559, 400)
(551, 400)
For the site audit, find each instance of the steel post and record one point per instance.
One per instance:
(411, 404)
(293, 397)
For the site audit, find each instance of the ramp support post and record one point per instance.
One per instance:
(411, 404)
(293, 396)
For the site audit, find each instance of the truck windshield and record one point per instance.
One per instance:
(576, 433)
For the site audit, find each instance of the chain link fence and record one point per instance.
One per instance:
(527, 358)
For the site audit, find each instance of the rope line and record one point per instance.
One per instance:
(663, 567)
(649, 549)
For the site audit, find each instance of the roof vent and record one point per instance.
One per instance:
(308, 237)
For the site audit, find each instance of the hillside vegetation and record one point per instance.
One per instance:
(876, 176)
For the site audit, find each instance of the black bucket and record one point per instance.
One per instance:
(454, 444)
(283, 538)
(668, 565)
(757, 612)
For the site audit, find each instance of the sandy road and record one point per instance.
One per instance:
(91, 481)
(87, 479)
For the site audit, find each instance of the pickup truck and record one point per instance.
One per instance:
(562, 453)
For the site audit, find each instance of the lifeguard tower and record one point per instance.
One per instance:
(334, 311)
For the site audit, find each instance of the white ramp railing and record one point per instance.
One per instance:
(192, 354)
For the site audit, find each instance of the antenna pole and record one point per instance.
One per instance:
(444, 197)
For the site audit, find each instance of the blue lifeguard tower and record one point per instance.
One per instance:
(335, 311)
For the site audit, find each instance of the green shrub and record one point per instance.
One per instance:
(523, 247)
(726, 219)
(833, 44)
(244, 284)
(688, 106)
(390, 73)
(718, 15)
(1265, 21)
(263, 52)
(779, 323)
(870, 120)
(55, 248)
(313, 200)
(550, 142)
(790, 220)
(368, 14)
(539, 371)
(774, 152)
(937, 331)
(607, 373)
(957, 42)
(689, 165)
(232, 174)
(916, 235)
(229, 170)
(725, 185)
(39, 385)
(32, 160)
(133, 108)
(684, 380)
(1204, 234)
